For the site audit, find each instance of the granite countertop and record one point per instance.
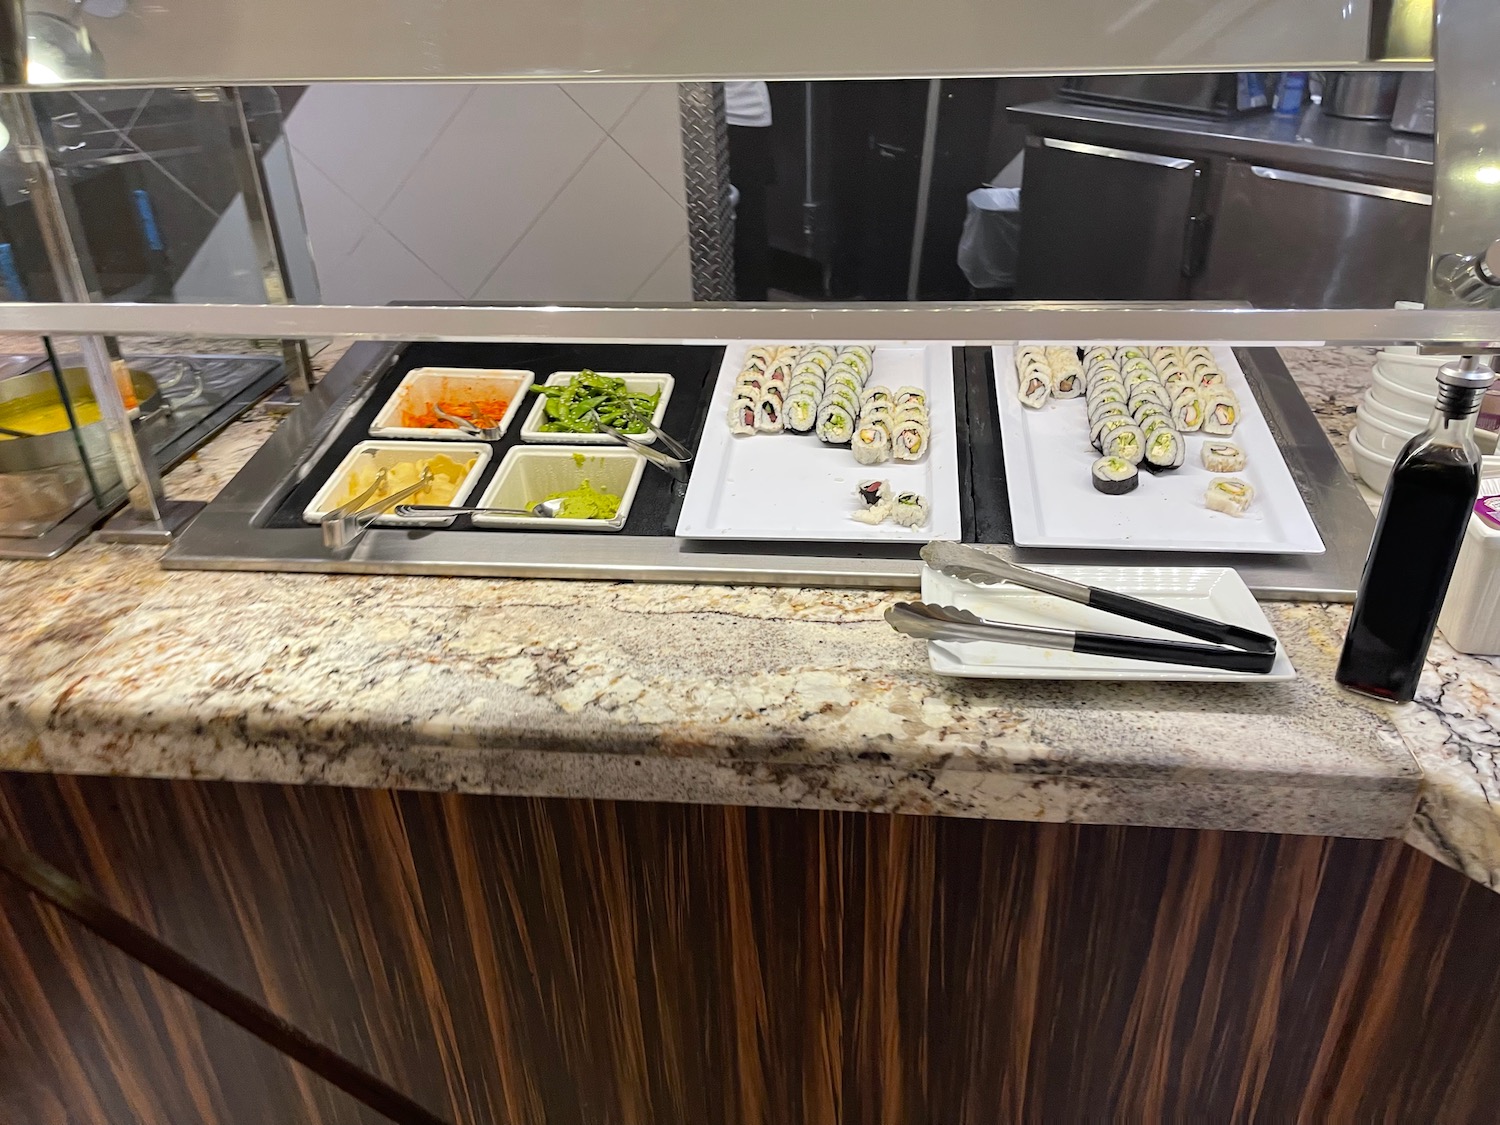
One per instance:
(795, 697)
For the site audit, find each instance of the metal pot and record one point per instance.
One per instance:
(1363, 95)
(47, 451)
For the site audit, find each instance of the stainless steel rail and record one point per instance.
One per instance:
(971, 323)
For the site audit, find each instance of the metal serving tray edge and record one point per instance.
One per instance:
(226, 535)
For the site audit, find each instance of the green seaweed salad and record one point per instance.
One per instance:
(572, 406)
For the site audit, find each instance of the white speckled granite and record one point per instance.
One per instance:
(763, 696)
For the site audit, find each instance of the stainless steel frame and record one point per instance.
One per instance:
(970, 323)
(227, 535)
(1353, 187)
(1117, 153)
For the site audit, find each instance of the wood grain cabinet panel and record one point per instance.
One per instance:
(516, 960)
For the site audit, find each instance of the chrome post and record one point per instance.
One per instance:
(12, 42)
(58, 220)
(1465, 246)
(270, 258)
(705, 166)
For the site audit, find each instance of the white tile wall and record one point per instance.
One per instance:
(493, 192)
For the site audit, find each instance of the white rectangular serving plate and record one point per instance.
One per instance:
(792, 486)
(461, 382)
(1208, 591)
(528, 474)
(385, 451)
(1053, 502)
(531, 429)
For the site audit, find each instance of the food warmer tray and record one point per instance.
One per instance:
(255, 523)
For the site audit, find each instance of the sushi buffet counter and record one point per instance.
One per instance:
(739, 695)
(695, 928)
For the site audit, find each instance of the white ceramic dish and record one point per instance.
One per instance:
(792, 486)
(1404, 399)
(1377, 436)
(528, 475)
(384, 453)
(531, 429)
(423, 386)
(1209, 591)
(1375, 468)
(1053, 502)
(1415, 372)
(1396, 419)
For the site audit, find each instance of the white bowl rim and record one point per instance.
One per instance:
(1368, 452)
(1363, 415)
(1419, 420)
(1385, 383)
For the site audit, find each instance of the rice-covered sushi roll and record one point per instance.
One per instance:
(742, 412)
(820, 356)
(1155, 422)
(1165, 449)
(1139, 377)
(747, 383)
(909, 509)
(1095, 353)
(1034, 387)
(1211, 380)
(1115, 476)
(877, 412)
(805, 384)
(1058, 353)
(1149, 392)
(780, 370)
(908, 393)
(1221, 412)
(1197, 352)
(1097, 410)
(875, 501)
(758, 358)
(1030, 353)
(841, 376)
(1129, 351)
(1229, 494)
(909, 440)
(1126, 441)
(863, 353)
(1178, 379)
(1101, 429)
(871, 444)
(835, 423)
(1067, 383)
(1187, 410)
(1107, 392)
(911, 413)
(876, 394)
(1222, 457)
(1161, 354)
(768, 418)
(805, 369)
(800, 412)
(1146, 411)
(846, 398)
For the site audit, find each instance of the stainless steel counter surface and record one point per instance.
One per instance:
(1313, 141)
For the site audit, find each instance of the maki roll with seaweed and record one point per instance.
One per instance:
(835, 423)
(1115, 476)
(1165, 449)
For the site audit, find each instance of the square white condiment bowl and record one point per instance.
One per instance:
(425, 385)
(529, 475)
(386, 453)
(531, 429)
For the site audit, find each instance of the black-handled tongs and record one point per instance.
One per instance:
(1248, 650)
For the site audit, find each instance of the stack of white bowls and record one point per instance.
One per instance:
(1397, 406)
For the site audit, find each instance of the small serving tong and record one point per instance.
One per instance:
(1247, 651)
(344, 526)
(674, 461)
(484, 433)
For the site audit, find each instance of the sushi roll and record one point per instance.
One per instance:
(1222, 457)
(1129, 351)
(1165, 449)
(875, 501)
(818, 356)
(1101, 429)
(768, 415)
(863, 353)
(1211, 380)
(876, 394)
(1159, 355)
(1140, 377)
(911, 414)
(1067, 384)
(1187, 410)
(757, 359)
(1229, 494)
(877, 412)
(1060, 353)
(800, 412)
(742, 414)
(1221, 412)
(1027, 354)
(909, 509)
(1124, 441)
(781, 370)
(1092, 355)
(908, 394)
(1115, 476)
(1155, 422)
(871, 444)
(1149, 392)
(1034, 387)
(750, 384)
(846, 398)
(805, 384)
(1197, 352)
(909, 440)
(1177, 380)
(1107, 392)
(1103, 407)
(1146, 411)
(835, 423)
(842, 376)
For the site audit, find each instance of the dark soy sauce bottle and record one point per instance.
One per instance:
(1427, 504)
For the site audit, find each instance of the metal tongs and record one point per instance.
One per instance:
(674, 461)
(344, 526)
(1247, 651)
